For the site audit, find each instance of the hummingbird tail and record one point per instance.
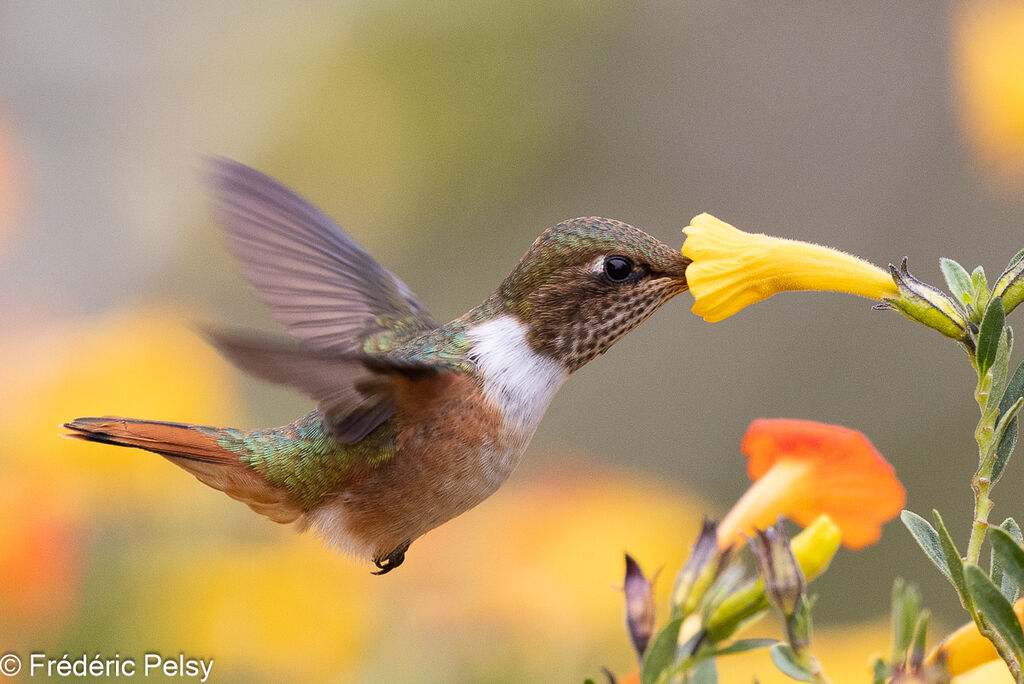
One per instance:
(175, 440)
(203, 451)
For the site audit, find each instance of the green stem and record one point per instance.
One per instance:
(981, 484)
(1002, 648)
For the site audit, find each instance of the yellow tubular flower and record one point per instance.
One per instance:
(732, 269)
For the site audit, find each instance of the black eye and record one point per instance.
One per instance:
(617, 268)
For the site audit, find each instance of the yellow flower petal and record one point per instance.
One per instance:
(816, 545)
(966, 649)
(992, 672)
(732, 269)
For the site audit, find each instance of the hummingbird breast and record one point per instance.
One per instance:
(460, 436)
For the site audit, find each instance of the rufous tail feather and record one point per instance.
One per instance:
(198, 449)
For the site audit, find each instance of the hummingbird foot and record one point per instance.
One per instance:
(392, 560)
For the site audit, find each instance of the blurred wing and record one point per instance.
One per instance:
(315, 278)
(354, 392)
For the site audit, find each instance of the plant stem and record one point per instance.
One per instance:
(981, 483)
(1002, 648)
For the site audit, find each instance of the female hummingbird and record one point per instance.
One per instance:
(416, 422)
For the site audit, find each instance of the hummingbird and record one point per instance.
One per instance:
(415, 422)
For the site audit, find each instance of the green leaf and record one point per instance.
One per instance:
(704, 672)
(953, 560)
(744, 645)
(906, 602)
(1013, 529)
(996, 610)
(927, 538)
(958, 280)
(920, 634)
(981, 291)
(989, 333)
(1007, 556)
(660, 652)
(1009, 588)
(1000, 367)
(1016, 257)
(785, 660)
(1014, 391)
(880, 672)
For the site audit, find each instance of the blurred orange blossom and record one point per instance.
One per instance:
(802, 469)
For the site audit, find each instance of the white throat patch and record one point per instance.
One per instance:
(516, 378)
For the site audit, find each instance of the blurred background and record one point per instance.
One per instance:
(445, 137)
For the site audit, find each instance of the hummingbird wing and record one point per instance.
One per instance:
(317, 280)
(355, 392)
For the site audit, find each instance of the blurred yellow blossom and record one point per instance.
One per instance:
(988, 60)
(54, 492)
(970, 657)
(534, 570)
(142, 363)
(732, 269)
(991, 672)
(802, 469)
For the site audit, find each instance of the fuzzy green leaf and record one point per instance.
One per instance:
(953, 560)
(981, 291)
(958, 280)
(927, 538)
(704, 672)
(1016, 257)
(660, 652)
(785, 660)
(920, 635)
(996, 610)
(1014, 391)
(1000, 367)
(989, 334)
(906, 603)
(744, 645)
(1007, 556)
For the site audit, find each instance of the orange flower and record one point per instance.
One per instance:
(802, 469)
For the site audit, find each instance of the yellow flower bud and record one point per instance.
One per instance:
(1010, 285)
(813, 549)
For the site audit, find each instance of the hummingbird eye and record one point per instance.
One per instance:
(617, 268)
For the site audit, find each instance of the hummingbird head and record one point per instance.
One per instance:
(586, 282)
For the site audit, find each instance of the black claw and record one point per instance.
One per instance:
(392, 560)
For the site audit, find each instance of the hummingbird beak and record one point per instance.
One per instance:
(677, 271)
